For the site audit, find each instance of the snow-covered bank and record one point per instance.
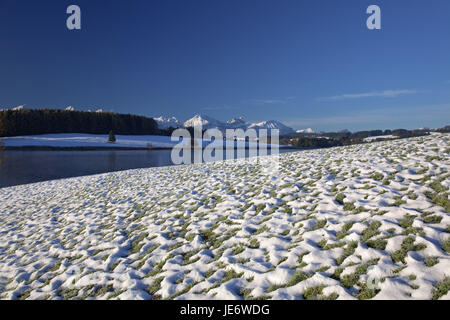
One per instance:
(76, 140)
(81, 140)
(363, 221)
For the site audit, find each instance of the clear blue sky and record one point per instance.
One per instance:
(307, 63)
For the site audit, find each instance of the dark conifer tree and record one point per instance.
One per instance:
(112, 137)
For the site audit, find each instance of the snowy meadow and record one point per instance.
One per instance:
(369, 221)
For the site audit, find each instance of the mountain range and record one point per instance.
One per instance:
(209, 123)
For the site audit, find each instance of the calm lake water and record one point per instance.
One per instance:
(22, 167)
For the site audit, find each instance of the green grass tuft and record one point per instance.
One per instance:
(340, 198)
(441, 288)
(431, 261)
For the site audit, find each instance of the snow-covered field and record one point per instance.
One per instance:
(363, 221)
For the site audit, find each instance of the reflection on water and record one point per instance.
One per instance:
(21, 167)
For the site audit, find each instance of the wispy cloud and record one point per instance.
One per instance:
(272, 101)
(216, 108)
(249, 102)
(381, 94)
(335, 120)
(379, 117)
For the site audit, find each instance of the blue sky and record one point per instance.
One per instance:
(307, 63)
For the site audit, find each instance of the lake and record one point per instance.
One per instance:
(22, 167)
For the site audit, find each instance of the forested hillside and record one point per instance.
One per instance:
(42, 121)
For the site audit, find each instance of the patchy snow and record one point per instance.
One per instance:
(226, 230)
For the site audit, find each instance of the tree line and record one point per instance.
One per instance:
(336, 139)
(44, 121)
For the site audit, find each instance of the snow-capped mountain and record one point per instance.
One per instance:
(238, 123)
(205, 121)
(208, 123)
(164, 123)
(307, 131)
(272, 124)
